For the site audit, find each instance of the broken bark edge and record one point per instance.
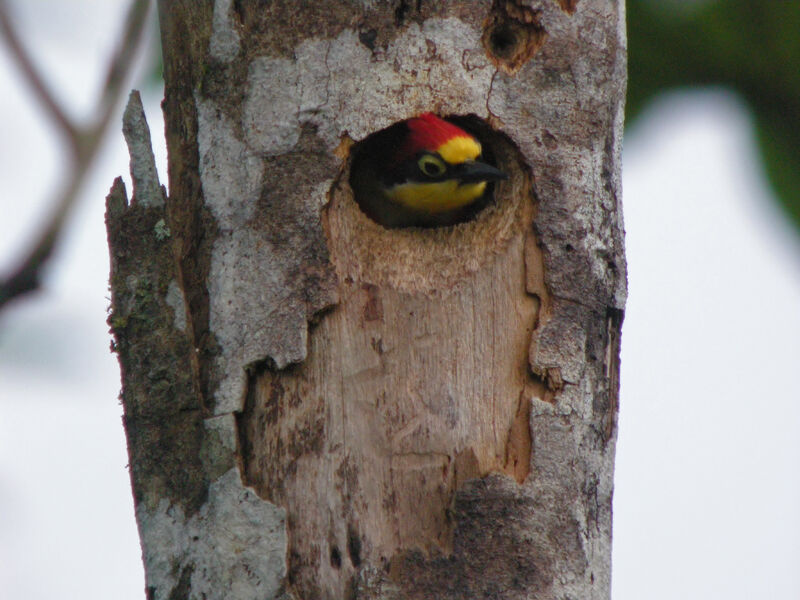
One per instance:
(146, 187)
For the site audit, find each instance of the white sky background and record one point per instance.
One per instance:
(708, 475)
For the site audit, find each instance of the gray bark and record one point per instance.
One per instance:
(318, 407)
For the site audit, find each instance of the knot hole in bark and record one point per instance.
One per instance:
(512, 35)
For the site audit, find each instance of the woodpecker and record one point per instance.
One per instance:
(421, 172)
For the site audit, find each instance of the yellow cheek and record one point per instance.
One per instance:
(436, 197)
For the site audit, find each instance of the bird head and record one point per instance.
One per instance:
(422, 171)
(436, 168)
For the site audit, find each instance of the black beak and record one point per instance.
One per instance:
(474, 172)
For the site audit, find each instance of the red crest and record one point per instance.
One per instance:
(428, 132)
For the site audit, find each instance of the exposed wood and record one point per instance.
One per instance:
(412, 386)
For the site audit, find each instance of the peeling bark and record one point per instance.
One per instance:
(319, 407)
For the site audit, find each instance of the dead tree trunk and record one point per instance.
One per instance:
(319, 407)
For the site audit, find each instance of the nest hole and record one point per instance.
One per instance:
(379, 166)
(431, 256)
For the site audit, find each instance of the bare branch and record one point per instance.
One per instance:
(35, 79)
(26, 277)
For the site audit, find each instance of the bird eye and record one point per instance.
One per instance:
(431, 165)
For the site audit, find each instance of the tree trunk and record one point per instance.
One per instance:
(319, 407)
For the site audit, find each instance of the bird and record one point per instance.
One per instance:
(421, 172)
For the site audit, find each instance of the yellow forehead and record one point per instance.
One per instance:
(459, 149)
